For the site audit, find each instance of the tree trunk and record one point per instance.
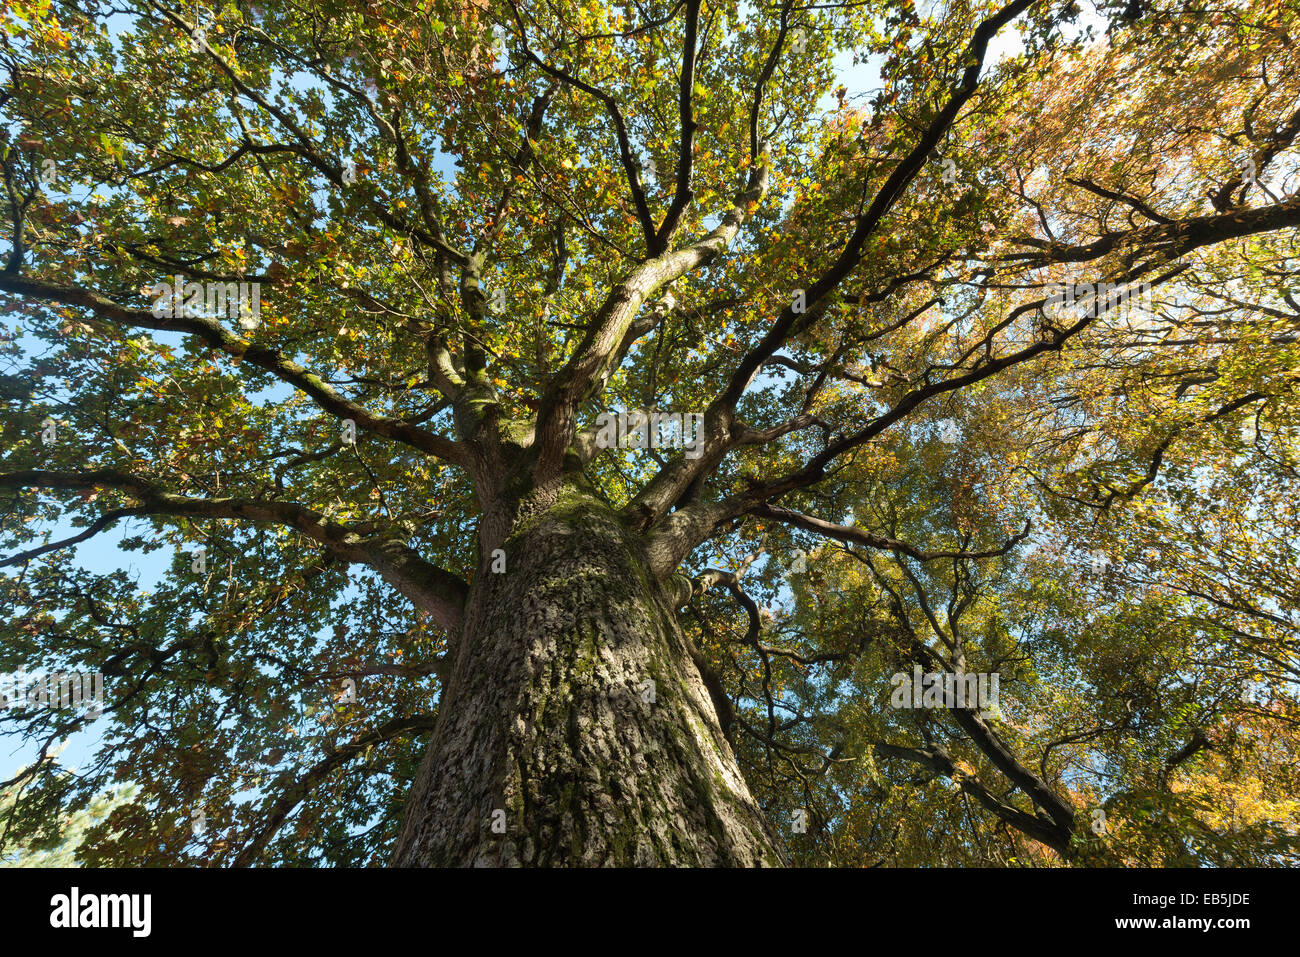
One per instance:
(574, 727)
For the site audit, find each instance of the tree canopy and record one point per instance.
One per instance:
(836, 232)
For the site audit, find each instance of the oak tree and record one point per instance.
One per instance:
(566, 424)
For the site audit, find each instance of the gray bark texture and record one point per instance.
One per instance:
(574, 728)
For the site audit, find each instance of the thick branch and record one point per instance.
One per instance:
(937, 759)
(686, 150)
(215, 335)
(429, 587)
(846, 533)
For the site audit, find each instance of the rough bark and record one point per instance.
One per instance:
(574, 720)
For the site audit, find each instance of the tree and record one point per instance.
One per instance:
(61, 846)
(568, 423)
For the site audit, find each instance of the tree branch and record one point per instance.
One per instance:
(215, 335)
(431, 588)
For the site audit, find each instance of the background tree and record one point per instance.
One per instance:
(54, 841)
(832, 231)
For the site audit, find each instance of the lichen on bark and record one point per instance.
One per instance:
(547, 717)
